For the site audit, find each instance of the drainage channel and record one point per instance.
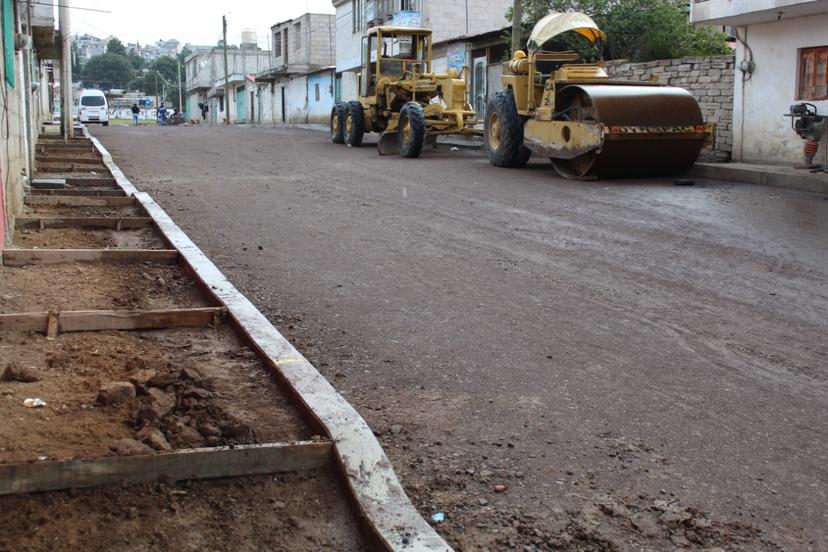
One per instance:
(141, 388)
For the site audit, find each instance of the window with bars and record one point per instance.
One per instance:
(813, 74)
(277, 45)
(358, 15)
(297, 36)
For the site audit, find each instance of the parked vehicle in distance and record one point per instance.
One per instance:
(93, 107)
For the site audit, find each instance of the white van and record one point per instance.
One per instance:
(93, 108)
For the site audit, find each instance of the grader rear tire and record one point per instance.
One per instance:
(354, 124)
(503, 132)
(411, 130)
(338, 123)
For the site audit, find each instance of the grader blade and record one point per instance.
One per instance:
(388, 143)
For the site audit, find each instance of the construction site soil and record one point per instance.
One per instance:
(286, 513)
(107, 392)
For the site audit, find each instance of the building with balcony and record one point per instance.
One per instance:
(781, 59)
(449, 20)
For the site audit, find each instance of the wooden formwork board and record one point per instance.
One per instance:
(93, 192)
(100, 320)
(91, 181)
(179, 465)
(78, 201)
(23, 257)
(115, 223)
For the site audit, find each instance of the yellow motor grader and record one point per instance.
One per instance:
(401, 97)
(589, 125)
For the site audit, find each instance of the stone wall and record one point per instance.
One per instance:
(709, 79)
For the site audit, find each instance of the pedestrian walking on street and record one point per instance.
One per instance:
(135, 111)
(204, 109)
(162, 114)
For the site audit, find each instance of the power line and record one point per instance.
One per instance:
(61, 6)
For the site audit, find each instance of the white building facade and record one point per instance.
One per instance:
(298, 87)
(781, 59)
(205, 83)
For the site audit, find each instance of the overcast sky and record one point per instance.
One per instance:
(196, 22)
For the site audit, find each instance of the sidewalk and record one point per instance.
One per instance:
(767, 175)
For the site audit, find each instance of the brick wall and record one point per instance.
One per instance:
(709, 79)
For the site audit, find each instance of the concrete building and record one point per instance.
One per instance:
(298, 87)
(781, 59)
(449, 20)
(205, 82)
(89, 46)
(27, 78)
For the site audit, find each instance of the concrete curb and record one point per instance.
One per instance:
(779, 177)
(391, 521)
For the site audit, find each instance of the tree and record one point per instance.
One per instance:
(136, 61)
(638, 30)
(115, 46)
(107, 71)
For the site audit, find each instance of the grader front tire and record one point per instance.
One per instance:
(412, 129)
(503, 132)
(338, 123)
(354, 124)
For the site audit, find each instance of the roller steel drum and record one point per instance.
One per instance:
(631, 106)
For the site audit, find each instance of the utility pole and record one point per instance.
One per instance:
(180, 105)
(156, 94)
(517, 18)
(226, 76)
(65, 72)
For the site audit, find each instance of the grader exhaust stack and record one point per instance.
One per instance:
(588, 125)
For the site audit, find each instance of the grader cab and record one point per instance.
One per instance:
(400, 97)
(588, 125)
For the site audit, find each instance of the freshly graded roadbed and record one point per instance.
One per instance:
(642, 366)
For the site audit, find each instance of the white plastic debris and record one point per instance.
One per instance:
(455, 148)
(34, 403)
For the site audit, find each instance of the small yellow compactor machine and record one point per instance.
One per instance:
(588, 125)
(401, 97)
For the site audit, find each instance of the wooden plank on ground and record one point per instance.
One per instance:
(105, 192)
(25, 321)
(79, 182)
(180, 465)
(101, 320)
(79, 201)
(22, 257)
(63, 158)
(122, 223)
(97, 320)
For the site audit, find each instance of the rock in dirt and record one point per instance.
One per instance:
(209, 430)
(116, 392)
(163, 400)
(162, 380)
(126, 447)
(187, 437)
(140, 378)
(396, 429)
(153, 437)
(191, 374)
(14, 372)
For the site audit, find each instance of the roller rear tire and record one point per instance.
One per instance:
(503, 132)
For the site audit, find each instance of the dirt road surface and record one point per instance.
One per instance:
(632, 364)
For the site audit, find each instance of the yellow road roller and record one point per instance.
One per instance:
(588, 125)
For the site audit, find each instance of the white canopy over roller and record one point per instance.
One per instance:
(557, 23)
